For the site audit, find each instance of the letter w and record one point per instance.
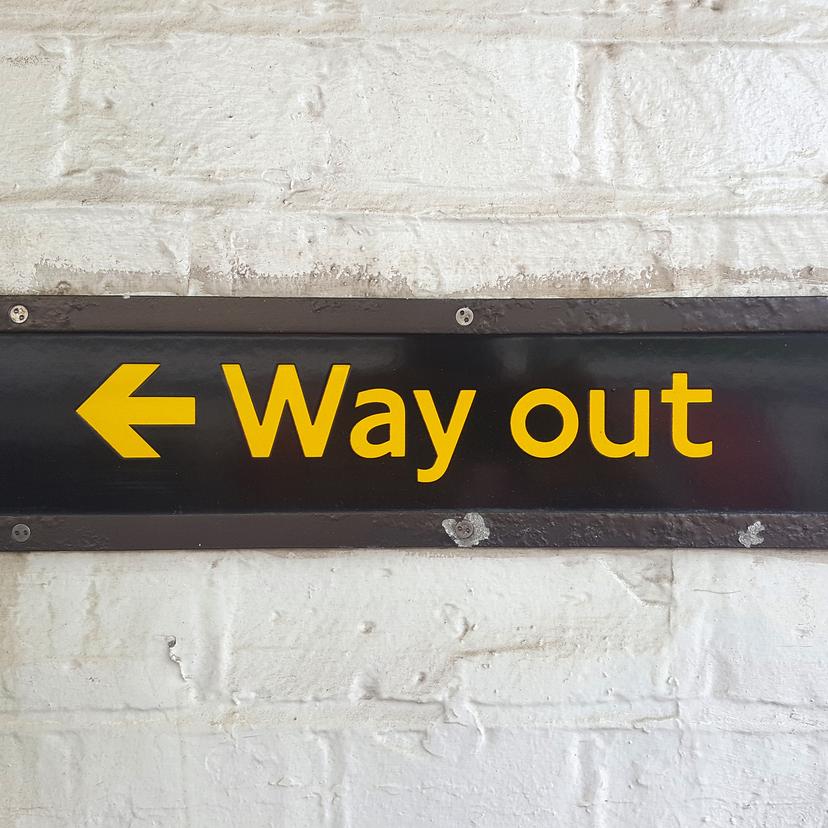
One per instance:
(286, 389)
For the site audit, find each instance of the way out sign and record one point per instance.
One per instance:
(161, 423)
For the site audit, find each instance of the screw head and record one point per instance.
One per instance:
(18, 314)
(20, 532)
(464, 316)
(463, 529)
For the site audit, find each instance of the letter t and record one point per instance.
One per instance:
(680, 397)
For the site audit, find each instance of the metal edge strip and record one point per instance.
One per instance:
(182, 314)
(415, 529)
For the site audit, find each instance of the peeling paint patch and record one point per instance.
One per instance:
(753, 535)
(469, 531)
(174, 657)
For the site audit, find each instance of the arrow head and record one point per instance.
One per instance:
(111, 410)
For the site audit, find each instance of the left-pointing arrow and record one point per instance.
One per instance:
(112, 411)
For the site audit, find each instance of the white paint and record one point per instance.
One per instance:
(470, 531)
(752, 536)
(424, 148)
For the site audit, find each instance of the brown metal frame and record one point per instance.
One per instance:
(198, 314)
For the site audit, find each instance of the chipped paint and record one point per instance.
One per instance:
(469, 531)
(753, 535)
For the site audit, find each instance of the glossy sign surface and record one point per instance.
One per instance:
(767, 423)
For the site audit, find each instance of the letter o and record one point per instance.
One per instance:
(544, 448)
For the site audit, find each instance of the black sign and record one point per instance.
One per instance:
(222, 423)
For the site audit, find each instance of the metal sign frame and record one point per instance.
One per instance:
(417, 528)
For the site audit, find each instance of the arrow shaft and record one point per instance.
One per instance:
(159, 411)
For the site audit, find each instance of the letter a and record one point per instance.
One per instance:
(393, 418)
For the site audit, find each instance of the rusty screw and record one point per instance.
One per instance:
(18, 314)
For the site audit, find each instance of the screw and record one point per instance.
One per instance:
(18, 314)
(463, 529)
(464, 316)
(21, 533)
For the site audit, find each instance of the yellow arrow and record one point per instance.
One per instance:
(111, 410)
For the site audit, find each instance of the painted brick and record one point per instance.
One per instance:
(590, 20)
(257, 777)
(161, 776)
(249, 251)
(670, 777)
(343, 116)
(453, 775)
(606, 778)
(253, 252)
(32, 77)
(466, 622)
(59, 249)
(76, 646)
(679, 117)
(739, 637)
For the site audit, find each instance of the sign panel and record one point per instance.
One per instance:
(226, 423)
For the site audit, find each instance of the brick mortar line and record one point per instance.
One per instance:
(509, 216)
(169, 210)
(72, 27)
(609, 716)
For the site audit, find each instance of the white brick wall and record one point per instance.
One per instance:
(414, 148)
